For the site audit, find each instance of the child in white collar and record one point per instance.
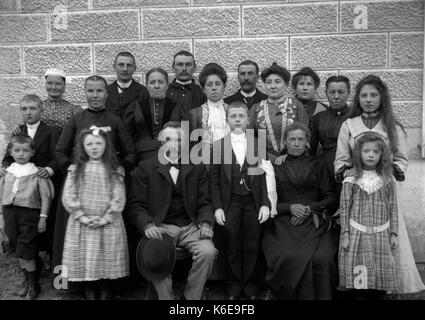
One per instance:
(25, 203)
(369, 221)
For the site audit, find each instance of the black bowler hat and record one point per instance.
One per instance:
(155, 258)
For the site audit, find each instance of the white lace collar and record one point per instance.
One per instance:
(370, 181)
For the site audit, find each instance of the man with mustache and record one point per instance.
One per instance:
(125, 89)
(248, 77)
(184, 90)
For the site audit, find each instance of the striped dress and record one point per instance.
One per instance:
(95, 253)
(369, 262)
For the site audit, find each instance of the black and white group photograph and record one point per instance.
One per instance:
(237, 151)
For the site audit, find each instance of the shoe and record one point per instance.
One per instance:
(25, 285)
(33, 287)
(252, 298)
(231, 298)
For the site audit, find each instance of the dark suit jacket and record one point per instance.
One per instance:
(256, 98)
(221, 174)
(45, 140)
(135, 92)
(151, 193)
(138, 120)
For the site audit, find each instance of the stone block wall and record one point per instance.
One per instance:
(350, 37)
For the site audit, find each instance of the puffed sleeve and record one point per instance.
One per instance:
(118, 196)
(47, 192)
(70, 198)
(271, 184)
(343, 150)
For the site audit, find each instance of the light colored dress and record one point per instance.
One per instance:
(95, 253)
(369, 201)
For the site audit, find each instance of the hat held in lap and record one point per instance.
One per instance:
(155, 257)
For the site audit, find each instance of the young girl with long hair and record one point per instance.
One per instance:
(95, 248)
(372, 112)
(369, 220)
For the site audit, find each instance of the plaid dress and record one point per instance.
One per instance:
(95, 253)
(369, 262)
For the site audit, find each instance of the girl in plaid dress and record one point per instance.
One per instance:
(95, 248)
(369, 221)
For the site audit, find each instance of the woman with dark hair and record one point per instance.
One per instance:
(305, 83)
(372, 112)
(299, 244)
(278, 111)
(211, 116)
(145, 118)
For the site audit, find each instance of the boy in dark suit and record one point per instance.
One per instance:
(45, 138)
(239, 200)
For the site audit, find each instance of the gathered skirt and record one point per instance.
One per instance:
(91, 254)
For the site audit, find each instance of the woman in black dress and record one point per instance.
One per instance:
(144, 118)
(299, 246)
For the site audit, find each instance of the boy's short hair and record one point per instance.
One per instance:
(237, 104)
(32, 98)
(21, 139)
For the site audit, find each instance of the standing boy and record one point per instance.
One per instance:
(239, 200)
(44, 138)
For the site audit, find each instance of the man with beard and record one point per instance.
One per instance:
(248, 77)
(125, 89)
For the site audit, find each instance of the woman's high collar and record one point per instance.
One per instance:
(276, 101)
(215, 104)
